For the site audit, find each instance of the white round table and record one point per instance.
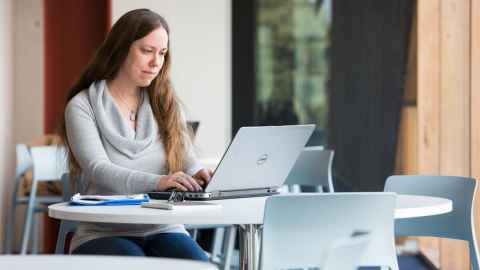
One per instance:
(246, 212)
(62, 262)
(411, 206)
(233, 211)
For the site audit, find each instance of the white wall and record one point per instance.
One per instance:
(201, 54)
(201, 48)
(6, 101)
(21, 87)
(29, 70)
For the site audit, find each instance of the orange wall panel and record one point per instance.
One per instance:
(73, 31)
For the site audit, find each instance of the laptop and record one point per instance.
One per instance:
(256, 163)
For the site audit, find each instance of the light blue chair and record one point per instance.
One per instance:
(458, 224)
(223, 246)
(312, 170)
(23, 165)
(48, 163)
(298, 230)
(35, 204)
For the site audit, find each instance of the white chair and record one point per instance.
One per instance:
(458, 224)
(313, 169)
(23, 164)
(48, 163)
(299, 229)
(312, 172)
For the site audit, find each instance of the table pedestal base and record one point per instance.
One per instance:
(249, 246)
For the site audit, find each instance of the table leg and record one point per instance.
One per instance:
(242, 247)
(248, 237)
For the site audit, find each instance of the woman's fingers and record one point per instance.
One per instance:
(187, 181)
(179, 181)
(184, 183)
(200, 182)
(194, 183)
(203, 177)
(178, 186)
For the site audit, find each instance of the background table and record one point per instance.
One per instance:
(63, 262)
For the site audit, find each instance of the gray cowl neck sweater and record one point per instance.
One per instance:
(115, 129)
(116, 159)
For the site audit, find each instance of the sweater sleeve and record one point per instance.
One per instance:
(87, 148)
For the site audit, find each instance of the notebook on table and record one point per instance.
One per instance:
(108, 200)
(256, 163)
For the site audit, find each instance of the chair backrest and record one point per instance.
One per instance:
(24, 160)
(345, 253)
(49, 162)
(456, 224)
(298, 229)
(313, 168)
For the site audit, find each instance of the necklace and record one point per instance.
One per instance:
(132, 113)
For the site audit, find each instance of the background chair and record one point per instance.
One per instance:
(299, 229)
(23, 164)
(458, 224)
(312, 171)
(48, 163)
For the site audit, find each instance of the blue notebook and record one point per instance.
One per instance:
(96, 200)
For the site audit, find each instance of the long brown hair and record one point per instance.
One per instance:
(106, 63)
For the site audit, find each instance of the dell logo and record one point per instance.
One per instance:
(263, 158)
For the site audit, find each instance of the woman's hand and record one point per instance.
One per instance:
(178, 181)
(203, 177)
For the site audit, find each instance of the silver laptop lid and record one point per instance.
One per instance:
(260, 157)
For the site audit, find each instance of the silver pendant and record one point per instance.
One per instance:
(133, 116)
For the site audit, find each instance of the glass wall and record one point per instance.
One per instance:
(291, 61)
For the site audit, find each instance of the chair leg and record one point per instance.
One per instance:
(217, 244)
(65, 227)
(10, 230)
(229, 245)
(28, 218)
(35, 224)
(194, 234)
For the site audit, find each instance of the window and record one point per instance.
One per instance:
(286, 80)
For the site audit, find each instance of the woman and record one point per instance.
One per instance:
(125, 134)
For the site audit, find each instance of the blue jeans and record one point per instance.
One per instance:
(170, 245)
